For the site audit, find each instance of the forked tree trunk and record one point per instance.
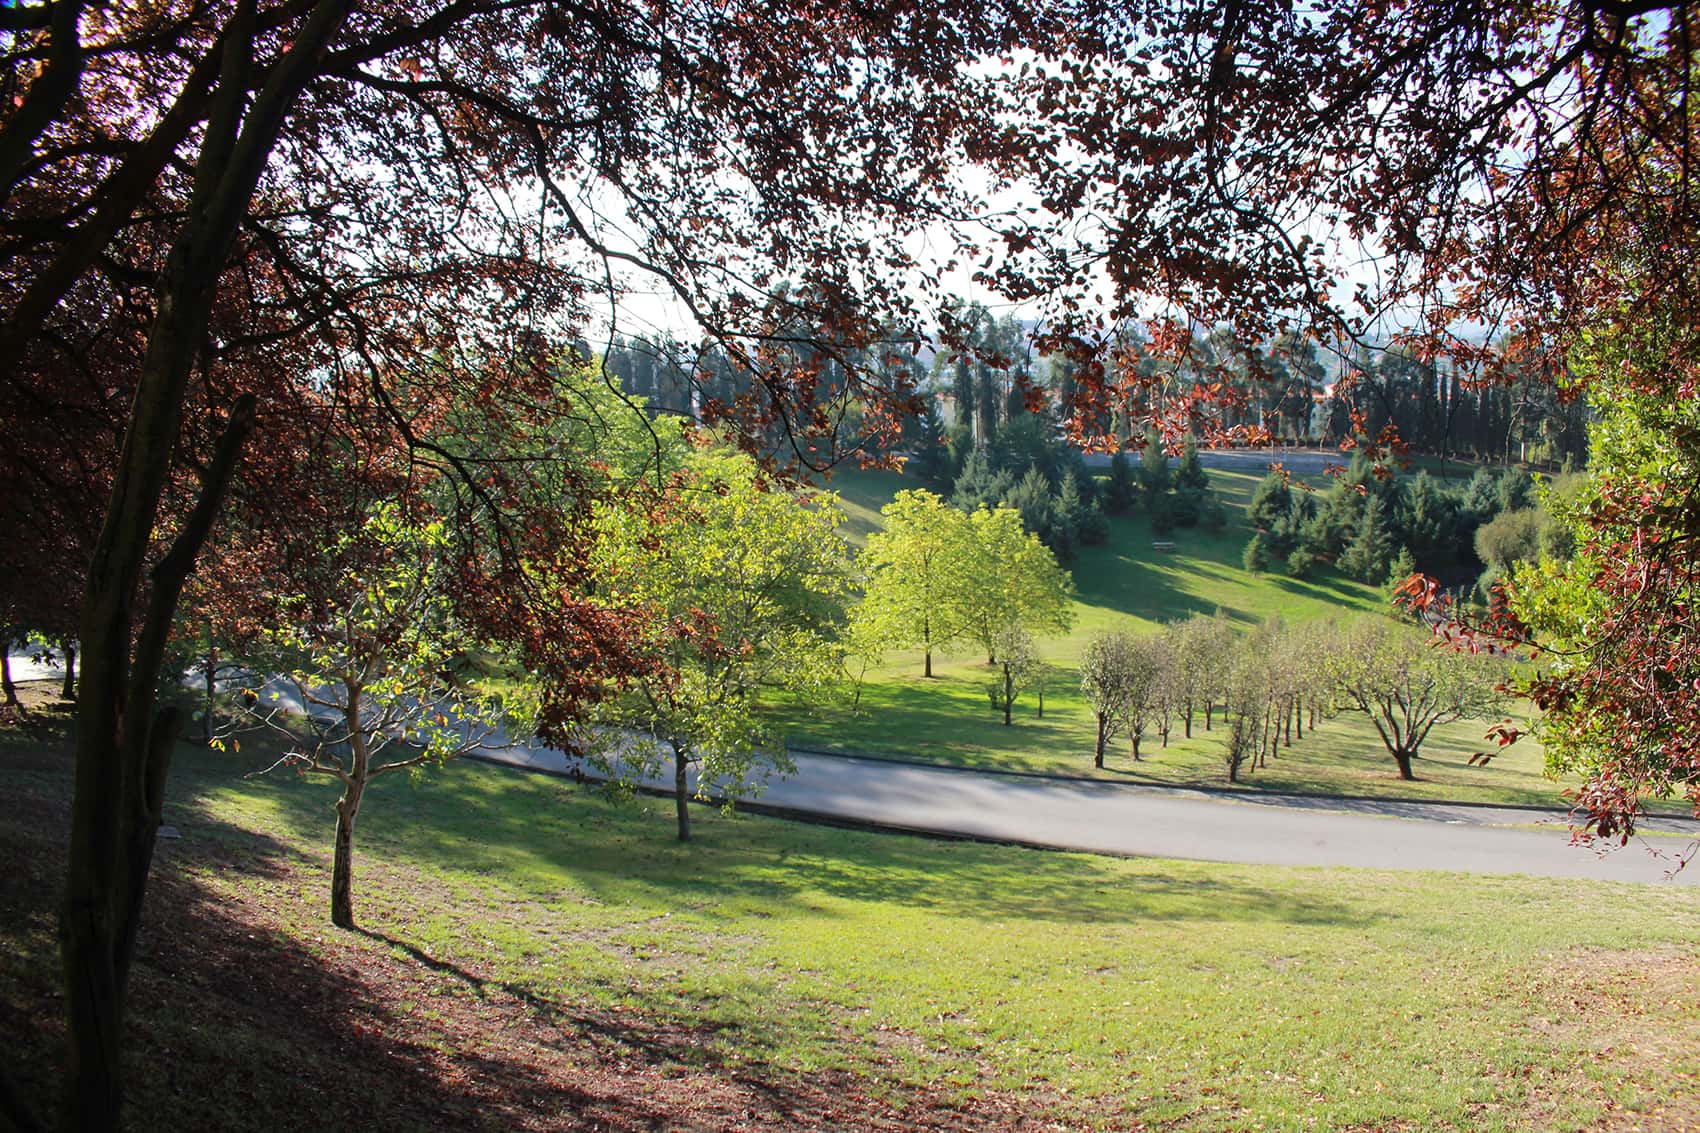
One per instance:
(1403, 759)
(123, 748)
(681, 796)
(68, 688)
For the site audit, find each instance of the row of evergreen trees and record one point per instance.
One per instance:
(1379, 528)
(1025, 466)
(1173, 497)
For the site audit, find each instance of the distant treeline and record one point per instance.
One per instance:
(994, 376)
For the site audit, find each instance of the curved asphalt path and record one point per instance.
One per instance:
(1118, 818)
(1130, 819)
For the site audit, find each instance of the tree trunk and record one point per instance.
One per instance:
(1135, 737)
(212, 692)
(342, 859)
(11, 690)
(68, 689)
(1209, 713)
(1098, 752)
(1008, 693)
(1186, 720)
(681, 797)
(1403, 759)
(928, 670)
(123, 749)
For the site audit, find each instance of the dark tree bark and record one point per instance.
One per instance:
(6, 684)
(681, 794)
(342, 858)
(1403, 759)
(68, 688)
(123, 745)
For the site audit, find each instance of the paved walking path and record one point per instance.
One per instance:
(1177, 823)
(1122, 818)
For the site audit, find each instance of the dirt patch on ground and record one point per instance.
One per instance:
(238, 1022)
(1636, 1014)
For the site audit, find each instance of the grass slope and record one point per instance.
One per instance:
(523, 933)
(1127, 584)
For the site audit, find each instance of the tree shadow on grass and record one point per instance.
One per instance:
(537, 834)
(247, 1012)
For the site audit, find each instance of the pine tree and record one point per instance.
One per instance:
(1271, 500)
(1153, 470)
(1372, 550)
(1120, 490)
(1256, 557)
(979, 485)
(1190, 473)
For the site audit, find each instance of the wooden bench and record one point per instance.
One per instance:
(1162, 545)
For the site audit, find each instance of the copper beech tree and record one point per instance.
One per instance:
(246, 238)
(242, 239)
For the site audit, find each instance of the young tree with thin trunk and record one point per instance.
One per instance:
(365, 681)
(914, 572)
(1010, 578)
(1142, 690)
(1393, 674)
(1017, 669)
(1107, 667)
(744, 586)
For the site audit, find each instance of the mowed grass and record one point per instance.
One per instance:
(1126, 584)
(1109, 993)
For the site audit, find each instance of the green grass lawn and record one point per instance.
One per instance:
(1107, 993)
(1126, 584)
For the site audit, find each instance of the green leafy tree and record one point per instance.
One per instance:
(368, 654)
(1009, 579)
(1393, 674)
(914, 571)
(1018, 669)
(1106, 670)
(746, 586)
(1506, 540)
(1614, 610)
(1145, 691)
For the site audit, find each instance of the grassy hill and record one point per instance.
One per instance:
(1128, 584)
(534, 957)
